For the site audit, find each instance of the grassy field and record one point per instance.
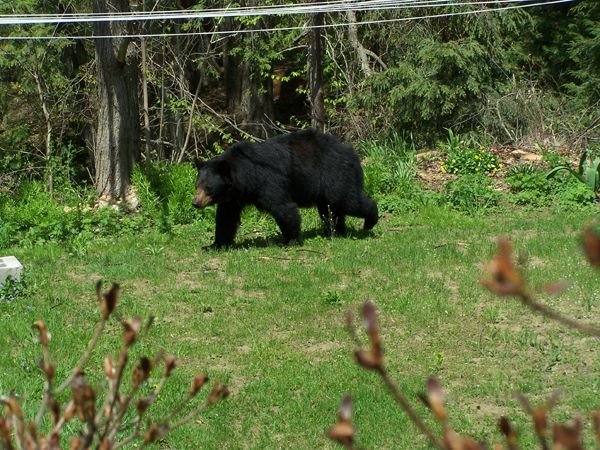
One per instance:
(269, 322)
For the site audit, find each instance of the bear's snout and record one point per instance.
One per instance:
(201, 199)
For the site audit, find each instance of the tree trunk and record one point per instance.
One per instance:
(48, 141)
(315, 76)
(249, 94)
(361, 53)
(145, 105)
(118, 128)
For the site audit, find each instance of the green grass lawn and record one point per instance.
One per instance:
(269, 322)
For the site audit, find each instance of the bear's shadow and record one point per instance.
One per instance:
(275, 240)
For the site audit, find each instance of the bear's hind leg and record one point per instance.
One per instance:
(227, 223)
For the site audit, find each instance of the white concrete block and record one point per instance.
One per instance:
(10, 266)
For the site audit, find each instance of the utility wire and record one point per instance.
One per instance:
(301, 8)
(391, 5)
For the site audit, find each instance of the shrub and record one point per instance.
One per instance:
(165, 192)
(504, 278)
(440, 85)
(389, 166)
(530, 188)
(34, 217)
(534, 188)
(109, 419)
(470, 193)
(588, 171)
(466, 157)
(412, 197)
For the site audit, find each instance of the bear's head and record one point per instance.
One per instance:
(213, 183)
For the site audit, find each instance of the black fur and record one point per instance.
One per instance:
(301, 169)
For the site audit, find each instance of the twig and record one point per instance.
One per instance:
(408, 409)
(548, 312)
(85, 357)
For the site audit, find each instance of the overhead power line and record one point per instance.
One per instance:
(302, 8)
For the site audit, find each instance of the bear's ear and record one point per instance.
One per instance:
(198, 163)
(224, 169)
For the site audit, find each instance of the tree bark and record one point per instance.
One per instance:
(249, 94)
(315, 76)
(145, 106)
(49, 129)
(118, 129)
(361, 52)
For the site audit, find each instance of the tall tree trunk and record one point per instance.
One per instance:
(118, 129)
(361, 52)
(145, 106)
(249, 95)
(49, 129)
(315, 76)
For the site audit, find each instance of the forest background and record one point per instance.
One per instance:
(77, 114)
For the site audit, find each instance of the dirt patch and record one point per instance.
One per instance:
(430, 165)
(240, 293)
(324, 347)
(86, 278)
(484, 409)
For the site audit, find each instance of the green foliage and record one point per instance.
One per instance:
(33, 217)
(411, 197)
(574, 195)
(389, 165)
(466, 157)
(588, 171)
(436, 87)
(584, 52)
(12, 289)
(471, 193)
(554, 159)
(165, 192)
(522, 169)
(535, 188)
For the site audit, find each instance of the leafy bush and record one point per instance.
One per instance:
(34, 217)
(165, 192)
(534, 188)
(470, 193)
(554, 159)
(31, 216)
(389, 165)
(588, 171)
(11, 288)
(575, 195)
(466, 157)
(412, 197)
(530, 188)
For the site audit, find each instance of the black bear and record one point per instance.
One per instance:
(300, 169)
